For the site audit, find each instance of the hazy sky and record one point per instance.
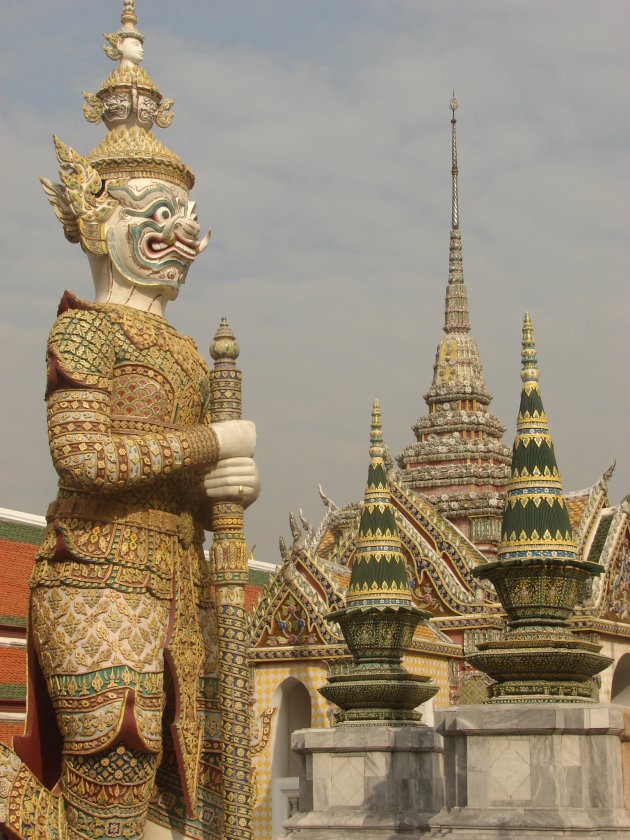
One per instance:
(319, 133)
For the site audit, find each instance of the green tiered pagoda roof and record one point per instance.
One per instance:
(379, 619)
(379, 574)
(537, 575)
(459, 461)
(536, 519)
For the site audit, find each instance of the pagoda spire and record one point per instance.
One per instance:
(454, 207)
(456, 310)
(379, 574)
(379, 618)
(459, 460)
(537, 574)
(536, 520)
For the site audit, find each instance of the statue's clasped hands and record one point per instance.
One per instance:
(234, 477)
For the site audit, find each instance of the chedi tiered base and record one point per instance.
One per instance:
(376, 688)
(379, 619)
(539, 659)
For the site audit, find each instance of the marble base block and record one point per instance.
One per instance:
(532, 771)
(376, 783)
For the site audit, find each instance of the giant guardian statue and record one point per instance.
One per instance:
(124, 649)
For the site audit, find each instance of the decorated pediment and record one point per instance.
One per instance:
(609, 546)
(439, 559)
(291, 614)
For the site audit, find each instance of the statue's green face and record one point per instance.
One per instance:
(153, 235)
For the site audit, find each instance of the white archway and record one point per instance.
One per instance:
(620, 688)
(293, 702)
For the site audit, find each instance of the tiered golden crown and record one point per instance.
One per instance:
(130, 103)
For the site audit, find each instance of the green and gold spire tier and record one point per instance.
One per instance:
(538, 575)
(379, 619)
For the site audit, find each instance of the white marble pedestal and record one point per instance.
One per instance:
(367, 782)
(513, 772)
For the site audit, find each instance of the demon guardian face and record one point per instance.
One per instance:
(152, 237)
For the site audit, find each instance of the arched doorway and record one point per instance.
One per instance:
(620, 688)
(293, 702)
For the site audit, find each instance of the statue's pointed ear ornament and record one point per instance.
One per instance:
(79, 202)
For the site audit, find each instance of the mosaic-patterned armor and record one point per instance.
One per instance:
(127, 413)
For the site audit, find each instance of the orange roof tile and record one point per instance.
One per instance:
(251, 596)
(16, 565)
(12, 665)
(575, 506)
(8, 730)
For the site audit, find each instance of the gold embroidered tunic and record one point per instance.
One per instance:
(121, 577)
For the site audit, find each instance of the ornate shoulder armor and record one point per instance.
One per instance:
(80, 352)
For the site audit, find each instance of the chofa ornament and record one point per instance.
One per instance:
(129, 659)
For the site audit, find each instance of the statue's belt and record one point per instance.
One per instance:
(181, 525)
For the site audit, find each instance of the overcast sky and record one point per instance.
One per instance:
(319, 133)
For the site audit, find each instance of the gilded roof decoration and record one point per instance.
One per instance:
(608, 544)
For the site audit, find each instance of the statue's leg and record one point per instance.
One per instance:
(107, 794)
(101, 653)
(168, 808)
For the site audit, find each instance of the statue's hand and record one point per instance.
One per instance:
(237, 438)
(234, 480)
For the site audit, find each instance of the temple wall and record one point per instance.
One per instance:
(616, 649)
(435, 667)
(268, 681)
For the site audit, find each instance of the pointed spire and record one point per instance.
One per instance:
(536, 521)
(456, 310)
(454, 209)
(530, 372)
(129, 13)
(379, 573)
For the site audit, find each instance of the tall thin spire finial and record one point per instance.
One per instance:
(376, 435)
(455, 211)
(456, 313)
(529, 373)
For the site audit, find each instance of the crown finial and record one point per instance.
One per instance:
(529, 360)
(126, 44)
(129, 13)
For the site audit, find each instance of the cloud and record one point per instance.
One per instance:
(321, 145)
